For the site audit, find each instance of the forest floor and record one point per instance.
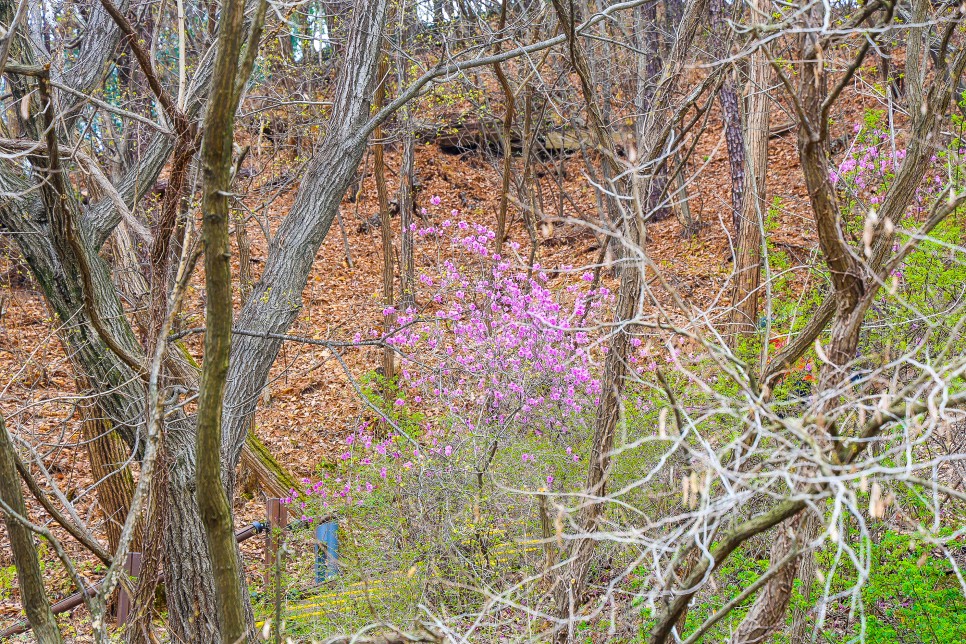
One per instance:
(311, 403)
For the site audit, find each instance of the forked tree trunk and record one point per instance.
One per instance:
(29, 576)
(854, 285)
(120, 390)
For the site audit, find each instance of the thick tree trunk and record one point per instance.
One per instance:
(109, 459)
(189, 581)
(31, 580)
(768, 612)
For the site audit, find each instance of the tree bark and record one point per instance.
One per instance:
(744, 312)
(731, 118)
(407, 169)
(855, 284)
(768, 610)
(230, 74)
(276, 299)
(510, 100)
(31, 580)
(570, 582)
(385, 225)
(109, 457)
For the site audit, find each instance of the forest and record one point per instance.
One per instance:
(453, 321)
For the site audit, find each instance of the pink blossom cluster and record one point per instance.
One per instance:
(870, 165)
(501, 346)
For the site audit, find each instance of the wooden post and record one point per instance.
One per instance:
(125, 600)
(276, 514)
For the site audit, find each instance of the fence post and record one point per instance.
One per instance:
(125, 601)
(276, 514)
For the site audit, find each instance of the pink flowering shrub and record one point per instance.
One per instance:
(871, 163)
(500, 375)
(492, 407)
(501, 347)
(930, 279)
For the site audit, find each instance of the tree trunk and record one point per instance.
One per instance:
(744, 315)
(806, 574)
(189, 581)
(570, 584)
(229, 78)
(768, 611)
(275, 301)
(109, 457)
(385, 225)
(731, 117)
(31, 580)
(507, 146)
(407, 266)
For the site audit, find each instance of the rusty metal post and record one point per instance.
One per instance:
(276, 514)
(125, 601)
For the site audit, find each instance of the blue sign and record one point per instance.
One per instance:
(326, 551)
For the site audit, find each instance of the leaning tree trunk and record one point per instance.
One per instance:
(31, 580)
(275, 301)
